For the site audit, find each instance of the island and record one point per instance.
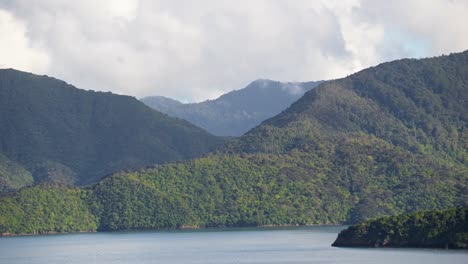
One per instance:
(427, 229)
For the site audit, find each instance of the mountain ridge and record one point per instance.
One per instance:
(388, 140)
(59, 132)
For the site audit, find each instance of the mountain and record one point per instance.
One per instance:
(387, 140)
(236, 112)
(50, 130)
(431, 229)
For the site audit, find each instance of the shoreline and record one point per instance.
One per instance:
(47, 233)
(181, 228)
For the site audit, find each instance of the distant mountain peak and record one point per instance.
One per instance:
(235, 112)
(293, 88)
(261, 83)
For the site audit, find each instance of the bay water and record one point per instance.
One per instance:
(223, 246)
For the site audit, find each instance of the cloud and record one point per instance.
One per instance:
(15, 48)
(194, 50)
(436, 26)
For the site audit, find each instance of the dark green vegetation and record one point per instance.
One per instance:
(236, 112)
(52, 131)
(46, 208)
(388, 140)
(431, 229)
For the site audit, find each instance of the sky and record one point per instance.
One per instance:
(198, 50)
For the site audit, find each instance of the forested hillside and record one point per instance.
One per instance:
(236, 112)
(46, 208)
(419, 105)
(388, 140)
(431, 229)
(52, 131)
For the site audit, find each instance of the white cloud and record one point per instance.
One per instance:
(195, 50)
(15, 48)
(439, 26)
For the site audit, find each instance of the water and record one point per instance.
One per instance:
(272, 246)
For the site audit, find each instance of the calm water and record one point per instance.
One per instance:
(302, 245)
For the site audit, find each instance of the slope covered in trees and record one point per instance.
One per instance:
(385, 141)
(419, 105)
(236, 112)
(45, 208)
(431, 229)
(52, 131)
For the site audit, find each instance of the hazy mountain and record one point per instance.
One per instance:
(50, 130)
(390, 139)
(238, 111)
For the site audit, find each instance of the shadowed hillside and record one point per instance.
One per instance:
(52, 131)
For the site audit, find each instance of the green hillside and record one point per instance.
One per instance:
(369, 178)
(388, 140)
(52, 131)
(419, 105)
(431, 229)
(46, 208)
